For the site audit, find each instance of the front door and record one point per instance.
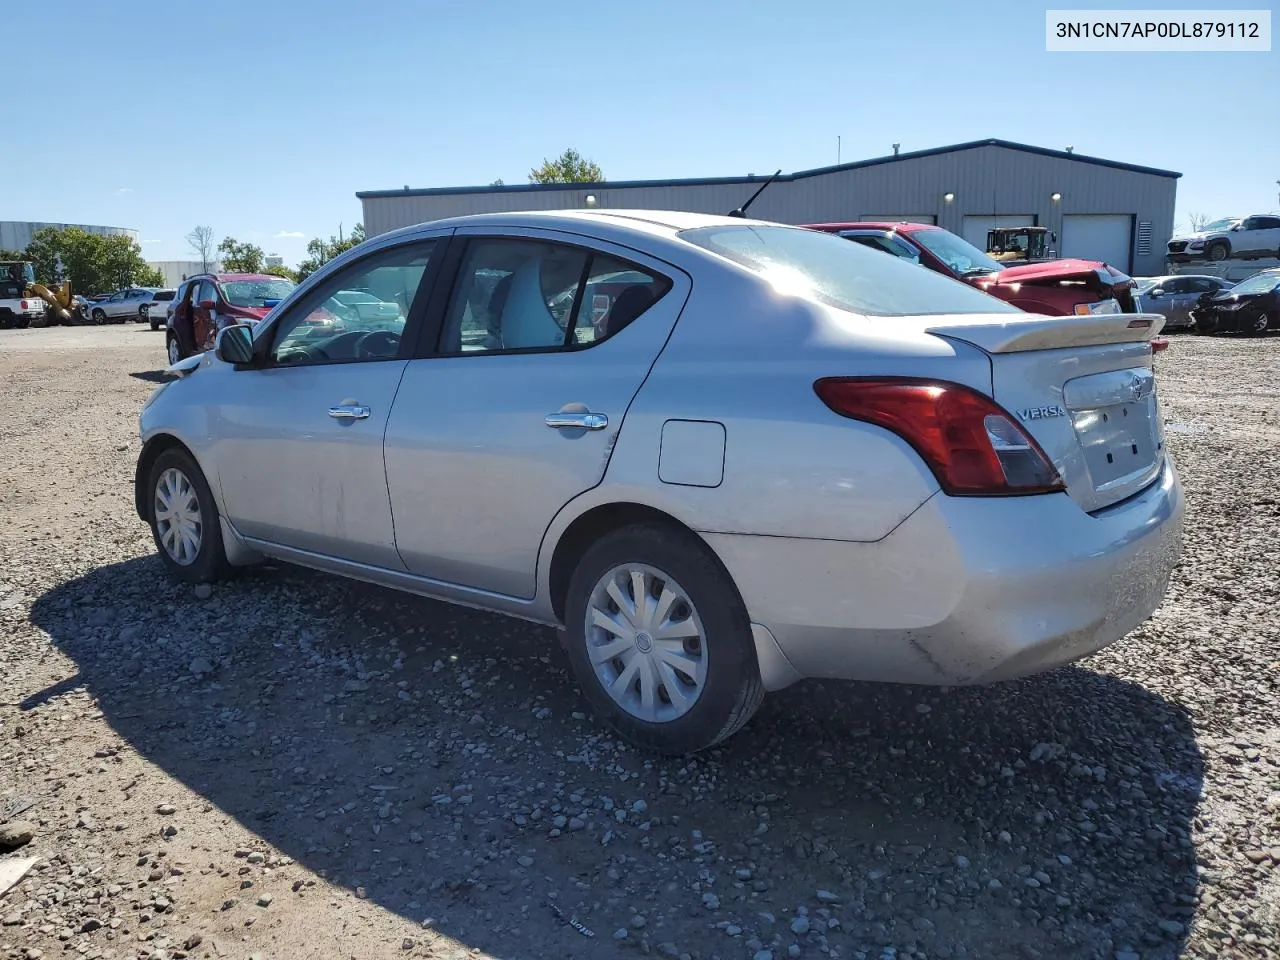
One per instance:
(204, 304)
(541, 350)
(300, 459)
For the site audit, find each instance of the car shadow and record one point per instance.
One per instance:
(441, 763)
(151, 376)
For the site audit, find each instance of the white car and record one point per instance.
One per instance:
(1243, 237)
(771, 454)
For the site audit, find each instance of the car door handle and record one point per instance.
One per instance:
(349, 411)
(577, 421)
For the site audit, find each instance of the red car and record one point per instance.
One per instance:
(207, 302)
(1054, 287)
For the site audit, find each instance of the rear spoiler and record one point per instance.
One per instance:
(1035, 332)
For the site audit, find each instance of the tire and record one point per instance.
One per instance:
(1258, 326)
(155, 325)
(173, 348)
(176, 478)
(98, 316)
(1218, 250)
(722, 654)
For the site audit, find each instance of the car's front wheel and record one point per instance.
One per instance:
(173, 348)
(184, 519)
(660, 640)
(98, 317)
(1217, 251)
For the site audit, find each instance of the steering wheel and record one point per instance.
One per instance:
(377, 344)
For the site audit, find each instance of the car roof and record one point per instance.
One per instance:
(243, 276)
(606, 221)
(902, 226)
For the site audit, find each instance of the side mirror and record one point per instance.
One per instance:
(1157, 292)
(234, 344)
(207, 304)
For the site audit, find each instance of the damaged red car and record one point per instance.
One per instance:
(207, 302)
(1053, 287)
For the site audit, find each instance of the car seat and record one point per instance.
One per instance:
(627, 306)
(526, 321)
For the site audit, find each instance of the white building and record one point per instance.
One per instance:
(175, 271)
(16, 234)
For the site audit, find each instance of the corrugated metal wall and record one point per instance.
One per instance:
(985, 180)
(16, 234)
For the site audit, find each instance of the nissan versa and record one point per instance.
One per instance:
(721, 454)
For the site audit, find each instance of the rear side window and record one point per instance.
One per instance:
(163, 295)
(831, 270)
(518, 294)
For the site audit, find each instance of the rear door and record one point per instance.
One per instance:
(513, 410)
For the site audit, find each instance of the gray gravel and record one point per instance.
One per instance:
(297, 766)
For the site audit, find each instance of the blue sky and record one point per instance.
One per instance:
(263, 119)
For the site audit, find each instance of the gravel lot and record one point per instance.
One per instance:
(296, 766)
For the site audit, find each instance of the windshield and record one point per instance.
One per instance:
(255, 293)
(831, 270)
(19, 272)
(1226, 223)
(958, 254)
(1258, 283)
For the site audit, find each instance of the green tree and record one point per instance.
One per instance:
(320, 252)
(281, 271)
(569, 167)
(240, 257)
(13, 255)
(92, 262)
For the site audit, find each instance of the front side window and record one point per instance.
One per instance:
(255, 293)
(960, 256)
(831, 270)
(327, 326)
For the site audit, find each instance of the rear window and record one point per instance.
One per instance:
(829, 269)
(164, 295)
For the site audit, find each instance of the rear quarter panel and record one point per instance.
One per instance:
(746, 358)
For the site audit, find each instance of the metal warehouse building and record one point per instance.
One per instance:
(16, 234)
(1100, 209)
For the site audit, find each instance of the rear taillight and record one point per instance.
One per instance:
(973, 447)
(22, 305)
(1159, 344)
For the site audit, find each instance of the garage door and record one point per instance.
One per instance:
(1099, 236)
(975, 227)
(898, 218)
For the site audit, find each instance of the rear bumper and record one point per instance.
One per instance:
(966, 590)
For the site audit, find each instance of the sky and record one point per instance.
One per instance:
(263, 119)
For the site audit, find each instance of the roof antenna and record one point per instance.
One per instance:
(742, 210)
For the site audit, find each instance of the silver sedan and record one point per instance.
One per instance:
(721, 455)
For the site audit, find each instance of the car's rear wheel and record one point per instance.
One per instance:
(155, 324)
(184, 519)
(1217, 251)
(660, 640)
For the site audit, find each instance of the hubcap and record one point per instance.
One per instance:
(173, 351)
(646, 643)
(178, 522)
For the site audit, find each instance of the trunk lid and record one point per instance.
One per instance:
(1083, 387)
